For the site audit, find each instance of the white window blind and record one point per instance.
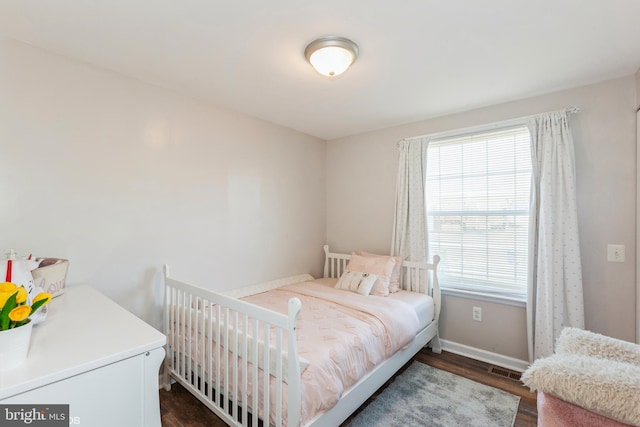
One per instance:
(478, 210)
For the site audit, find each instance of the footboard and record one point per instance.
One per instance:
(238, 359)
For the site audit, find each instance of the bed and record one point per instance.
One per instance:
(252, 354)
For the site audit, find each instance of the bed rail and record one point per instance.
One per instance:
(204, 327)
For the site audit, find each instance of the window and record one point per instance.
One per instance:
(478, 210)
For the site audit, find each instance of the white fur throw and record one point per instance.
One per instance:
(606, 387)
(580, 342)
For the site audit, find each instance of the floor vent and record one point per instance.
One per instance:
(507, 373)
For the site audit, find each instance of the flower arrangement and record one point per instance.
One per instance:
(14, 310)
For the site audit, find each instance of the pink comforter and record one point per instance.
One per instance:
(342, 334)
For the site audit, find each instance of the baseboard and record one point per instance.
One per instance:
(485, 356)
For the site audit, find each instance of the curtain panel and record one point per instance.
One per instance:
(555, 297)
(410, 239)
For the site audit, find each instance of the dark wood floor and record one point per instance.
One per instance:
(180, 409)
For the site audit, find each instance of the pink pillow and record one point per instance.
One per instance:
(382, 267)
(394, 280)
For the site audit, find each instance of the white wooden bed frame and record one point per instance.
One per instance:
(227, 320)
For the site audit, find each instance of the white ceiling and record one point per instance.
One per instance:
(418, 58)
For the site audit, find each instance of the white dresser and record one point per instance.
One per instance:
(95, 356)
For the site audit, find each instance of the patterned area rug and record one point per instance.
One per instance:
(425, 396)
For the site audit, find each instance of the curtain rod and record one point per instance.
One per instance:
(504, 123)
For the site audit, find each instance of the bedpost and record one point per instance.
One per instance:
(166, 378)
(436, 287)
(294, 386)
(437, 300)
(326, 261)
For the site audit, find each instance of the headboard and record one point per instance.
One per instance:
(419, 277)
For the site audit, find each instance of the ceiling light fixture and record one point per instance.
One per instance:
(331, 55)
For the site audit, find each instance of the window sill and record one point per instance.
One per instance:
(498, 299)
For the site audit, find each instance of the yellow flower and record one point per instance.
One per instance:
(41, 296)
(4, 296)
(22, 295)
(8, 287)
(20, 313)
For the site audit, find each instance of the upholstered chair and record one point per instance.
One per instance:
(591, 380)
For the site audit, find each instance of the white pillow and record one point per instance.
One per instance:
(357, 281)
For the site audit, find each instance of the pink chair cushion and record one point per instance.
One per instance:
(554, 412)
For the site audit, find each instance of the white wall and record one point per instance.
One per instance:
(637, 207)
(361, 178)
(638, 88)
(121, 176)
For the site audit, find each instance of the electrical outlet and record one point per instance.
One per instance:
(615, 253)
(477, 314)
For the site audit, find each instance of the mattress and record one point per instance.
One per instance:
(422, 304)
